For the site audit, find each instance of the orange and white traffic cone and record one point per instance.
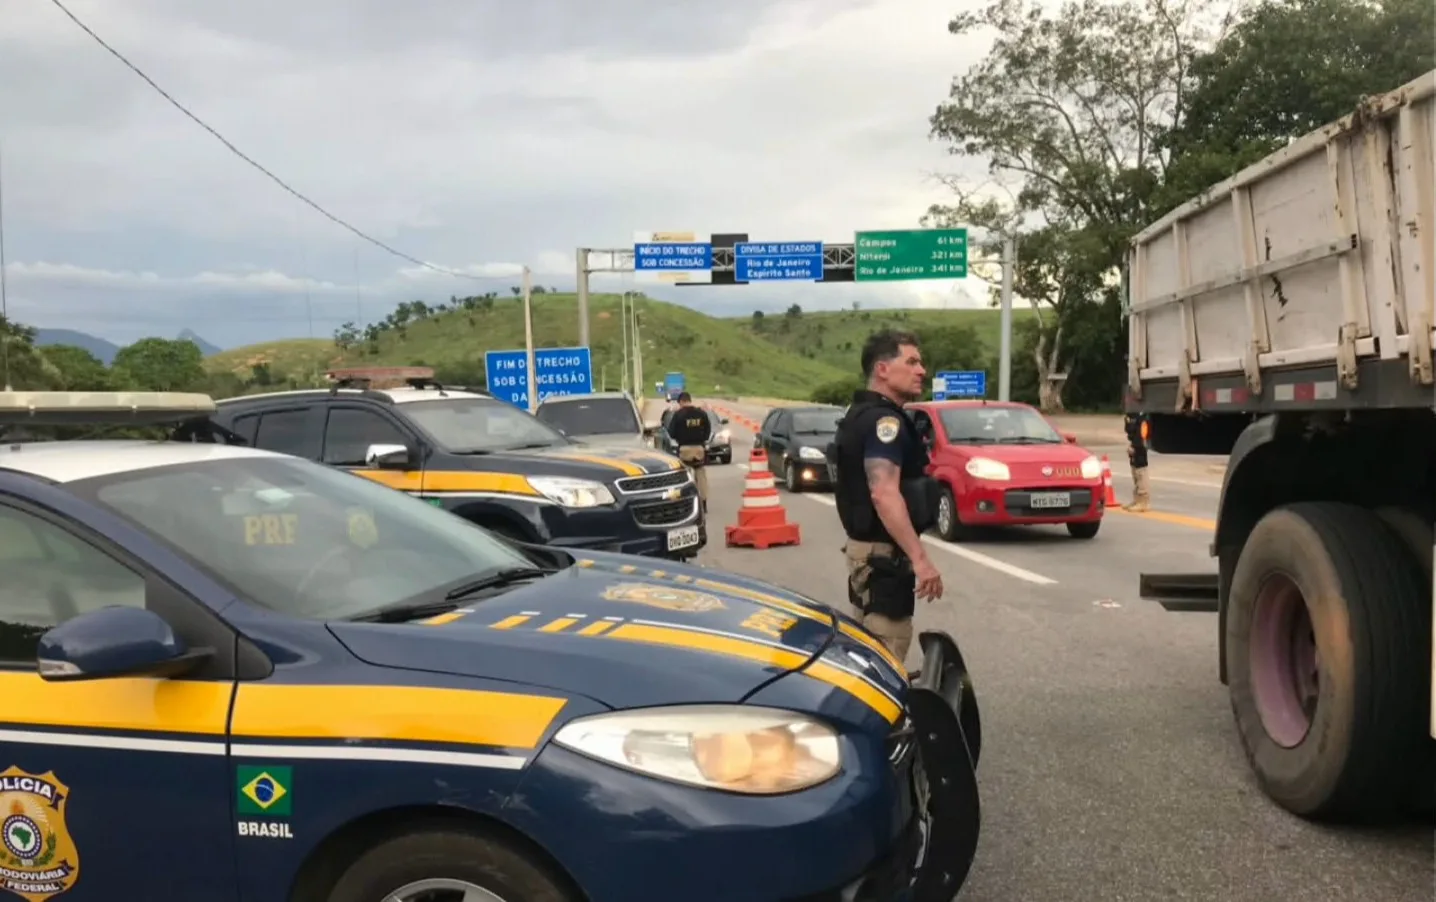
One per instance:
(762, 521)
(758, 459)
(1109, 490)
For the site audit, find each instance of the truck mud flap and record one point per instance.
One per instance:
(1180, 591)
(948, 728)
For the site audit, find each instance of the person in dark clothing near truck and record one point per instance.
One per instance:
(1139, 431)
(885, 498)
(690, 428)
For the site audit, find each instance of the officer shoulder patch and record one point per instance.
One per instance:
(888, 429)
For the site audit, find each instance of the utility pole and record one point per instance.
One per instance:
(623, 317)
(532, 371)
(637, 352)
(1004, 356)
(582, 297)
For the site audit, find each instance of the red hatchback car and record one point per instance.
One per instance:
(1003, 464)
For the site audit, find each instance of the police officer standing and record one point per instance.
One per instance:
(884, 498)
(691, 428)
(1138, 432)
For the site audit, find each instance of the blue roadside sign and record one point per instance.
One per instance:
(561, 371)
(959, 384)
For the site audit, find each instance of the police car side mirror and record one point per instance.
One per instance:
(115, 642)
(1069, 438)
(389, 457)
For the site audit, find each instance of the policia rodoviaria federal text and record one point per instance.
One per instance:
(690, 427)
(884, 497)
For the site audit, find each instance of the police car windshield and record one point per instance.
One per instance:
(307, 540)
(590, 416)
(997, 425)
(814, 422)
(481, 425)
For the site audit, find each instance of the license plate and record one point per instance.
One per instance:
(1051, 499)
(686, 537)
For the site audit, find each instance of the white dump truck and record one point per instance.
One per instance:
(1284, 318)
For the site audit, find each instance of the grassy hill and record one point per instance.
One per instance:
(783, 358)
(835, 337)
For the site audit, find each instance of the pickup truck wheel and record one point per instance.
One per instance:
(1084, 530)
(446, 866)
(1327, 629)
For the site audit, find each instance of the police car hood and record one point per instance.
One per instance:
(617, 629)
(604, 462)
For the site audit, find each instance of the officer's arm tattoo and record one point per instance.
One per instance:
(883, 476)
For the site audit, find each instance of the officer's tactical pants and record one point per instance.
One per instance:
(896, 632)
(695, 456)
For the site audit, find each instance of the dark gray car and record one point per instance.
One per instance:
(796, 442)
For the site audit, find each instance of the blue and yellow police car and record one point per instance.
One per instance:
(232, 675)
(486, 460)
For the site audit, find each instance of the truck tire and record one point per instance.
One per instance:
(415, 866)
(1328, 632)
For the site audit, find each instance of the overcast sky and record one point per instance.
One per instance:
(474, 134)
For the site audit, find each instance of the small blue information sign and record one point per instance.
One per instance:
(778, 261)
(672, 256)
(561, 371)
(959, 384)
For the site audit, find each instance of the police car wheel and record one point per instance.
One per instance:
(446, 865)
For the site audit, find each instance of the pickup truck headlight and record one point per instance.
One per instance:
(733, 748)
(723, 437)
(987, 468)
(807, 453)
(1091, 468)
(572, 492)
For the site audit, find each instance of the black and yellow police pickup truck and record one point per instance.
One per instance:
(485, 460)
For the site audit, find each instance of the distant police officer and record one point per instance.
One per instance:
(1138, 432)
(884, 498)
(691, 428)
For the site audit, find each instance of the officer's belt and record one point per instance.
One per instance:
(861, 549)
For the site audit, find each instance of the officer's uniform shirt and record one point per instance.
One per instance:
(1137, 433)
(874, 428)
(690, 426)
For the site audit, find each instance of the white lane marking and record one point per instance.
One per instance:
(965, 553)
(1126, 475)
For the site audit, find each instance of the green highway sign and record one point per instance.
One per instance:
(911, 254)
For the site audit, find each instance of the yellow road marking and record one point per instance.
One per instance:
(1165, 517)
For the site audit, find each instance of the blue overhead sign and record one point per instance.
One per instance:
(672, 256)
(778, 261)
(959, 384)
(561, 371)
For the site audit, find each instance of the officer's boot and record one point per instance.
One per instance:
(1142, 497)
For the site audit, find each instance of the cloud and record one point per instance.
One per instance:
(506, 134)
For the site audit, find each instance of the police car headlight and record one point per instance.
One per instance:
(1091, 468)
(811, 454)
(571, 492)
(987, 468)
(758, 751)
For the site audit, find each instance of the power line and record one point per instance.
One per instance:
(246, 158)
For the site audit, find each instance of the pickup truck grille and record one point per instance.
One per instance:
(665, 513)
(651, 483)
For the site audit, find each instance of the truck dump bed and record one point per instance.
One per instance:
(1306, 281)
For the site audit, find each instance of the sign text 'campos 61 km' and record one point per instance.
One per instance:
(912, 254)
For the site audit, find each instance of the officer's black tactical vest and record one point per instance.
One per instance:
(851, 493)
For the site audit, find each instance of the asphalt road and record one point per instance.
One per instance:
(1110, 767)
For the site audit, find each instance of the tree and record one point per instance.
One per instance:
(22, 367)
(78, 369)
(1067, 109)
(161, 364)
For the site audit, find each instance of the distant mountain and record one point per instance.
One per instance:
(105, 350)
(205, 347)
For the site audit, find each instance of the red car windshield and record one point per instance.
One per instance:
(997, 426)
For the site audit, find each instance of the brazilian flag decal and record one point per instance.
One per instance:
(265, 790)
